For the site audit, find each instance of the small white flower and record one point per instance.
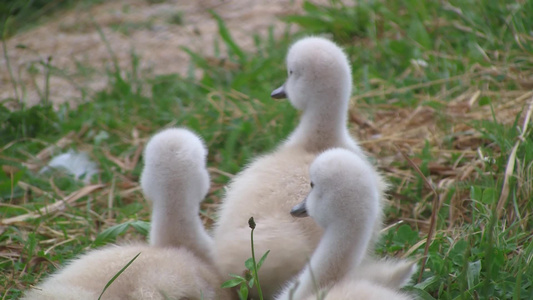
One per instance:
(489, 159)
(419, 62)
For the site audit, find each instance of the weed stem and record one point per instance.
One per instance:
(8, 65)
(251, 222)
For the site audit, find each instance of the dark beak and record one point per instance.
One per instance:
(279, 93)
(299, 210)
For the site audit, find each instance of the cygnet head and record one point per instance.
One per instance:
(343, 189)
(175, 163)
(318, 70)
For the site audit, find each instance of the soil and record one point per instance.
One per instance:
(154, 31)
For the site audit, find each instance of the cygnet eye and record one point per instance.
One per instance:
(290, 72)
(312, 184)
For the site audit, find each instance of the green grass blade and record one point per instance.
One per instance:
(118, 274)
(226, 36)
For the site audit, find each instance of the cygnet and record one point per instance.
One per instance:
(344, 202)
(319, 84)
(178, 263)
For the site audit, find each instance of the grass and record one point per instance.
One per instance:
(442, 92)
(20, 15)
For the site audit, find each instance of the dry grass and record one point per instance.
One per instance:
(389, 130)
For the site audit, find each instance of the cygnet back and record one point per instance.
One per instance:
(361, 290)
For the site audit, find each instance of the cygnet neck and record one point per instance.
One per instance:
(323, 126)
(175, 223)
(340, 248)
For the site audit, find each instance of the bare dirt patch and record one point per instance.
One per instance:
(154, 31)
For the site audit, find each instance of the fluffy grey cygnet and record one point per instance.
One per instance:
(178, 263)
(319, 84)
(344, 201)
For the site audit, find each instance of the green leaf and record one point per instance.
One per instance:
(475, 193)
(249, 264)
(262, 260)
(251, 282)
(417, 31)
(7, 183)
(232, 282)
(406, 235)
(489, 196)
(238, 276)
(243, 292)
(457, 253)
(420, 294)
(427, 283)
(111, 233)
(142, 227)
(472, 273)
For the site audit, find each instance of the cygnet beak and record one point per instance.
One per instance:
(279, 93)
(299, 210)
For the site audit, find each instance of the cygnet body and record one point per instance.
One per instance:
(344, 202)
(319, 84)
(361, 290)
(373, 280)
(178, 263)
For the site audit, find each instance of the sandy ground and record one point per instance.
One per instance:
(79, 56)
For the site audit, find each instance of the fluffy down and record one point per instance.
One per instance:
(319, 83)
